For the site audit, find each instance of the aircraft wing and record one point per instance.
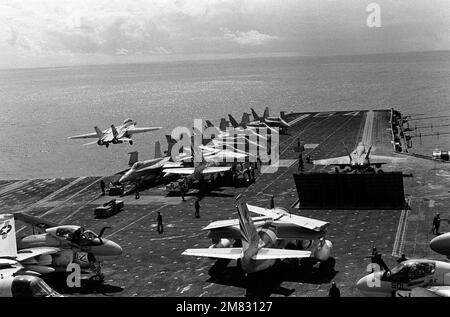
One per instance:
(181, 170)
(84, 136)
(305, 222)
(216, 169)
(35, 221)
(232, 222)
(26, 254)
(271, 254)
(443, 291)
(341, 160)
(380, 159)
(172, 164)
(132, 131)
(218, 253)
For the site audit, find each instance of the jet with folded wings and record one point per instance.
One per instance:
(275, 235)
(16, 280)
(56, 246)
(115, 135)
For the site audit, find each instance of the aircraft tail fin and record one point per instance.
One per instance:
(266, 113)
(233, 122)
(170, 143)
(223, 124)
(158, 153)
(99, 132)
(114, 130)
(8, 244)
(245, 118)
(209, 123)
(255, 115)
(249, 235)
(368, 152)
(134, 157)
(282, 115)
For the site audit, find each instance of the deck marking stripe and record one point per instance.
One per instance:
(60, 190)
(14, 186)
(291, 123)
(368, 129)
(398, 247)
(65, 201)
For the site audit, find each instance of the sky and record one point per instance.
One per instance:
(47, 33)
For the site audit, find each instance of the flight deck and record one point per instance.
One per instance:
(152, 264)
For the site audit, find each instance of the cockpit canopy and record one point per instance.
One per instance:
(408, 271)
(128, 122)
(137, 165)
(77, 235)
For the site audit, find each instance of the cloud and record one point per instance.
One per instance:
(252, 38)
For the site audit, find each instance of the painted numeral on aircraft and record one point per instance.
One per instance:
(353, 113)
(324, 114)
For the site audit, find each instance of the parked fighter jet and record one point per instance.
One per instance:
(122, 133)
(270, 121)
(359, 160)
(140, 171)
(64, 244)
(274, 236)
(250, 126)
(15, 279)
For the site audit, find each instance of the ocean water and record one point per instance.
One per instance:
(40, 108)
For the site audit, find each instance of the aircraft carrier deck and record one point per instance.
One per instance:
(152, 264)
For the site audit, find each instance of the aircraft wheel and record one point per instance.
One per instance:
(380, 171)
(98, 279)
(107, 145)
(131, 142)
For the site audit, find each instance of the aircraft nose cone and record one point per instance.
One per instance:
(108, 248)
(441, 244)
(370, 284)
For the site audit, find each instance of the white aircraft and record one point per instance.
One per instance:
(148, 170)
(15, 279)
(411, 278)
(250, 126)
(359, 160)
(265, 239)
(55, 246)
(122, 133)
(270, 121)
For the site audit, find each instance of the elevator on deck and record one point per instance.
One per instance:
(350, 191)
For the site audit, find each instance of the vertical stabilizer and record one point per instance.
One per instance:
(223, 124)
(245, 119)
(233, 121)
(158, 153)
(255, 115)
(8, 246)
(249, 236)
(99, 132)
(266, 113)
(114, 131)
(170, 143)
(133, 158)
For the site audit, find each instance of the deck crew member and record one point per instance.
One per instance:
(102, 186)
(334, 291)
(272, 202)
(197, 209)
(436, 224)
(160, 227)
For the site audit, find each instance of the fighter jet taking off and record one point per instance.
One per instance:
(115, 135)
